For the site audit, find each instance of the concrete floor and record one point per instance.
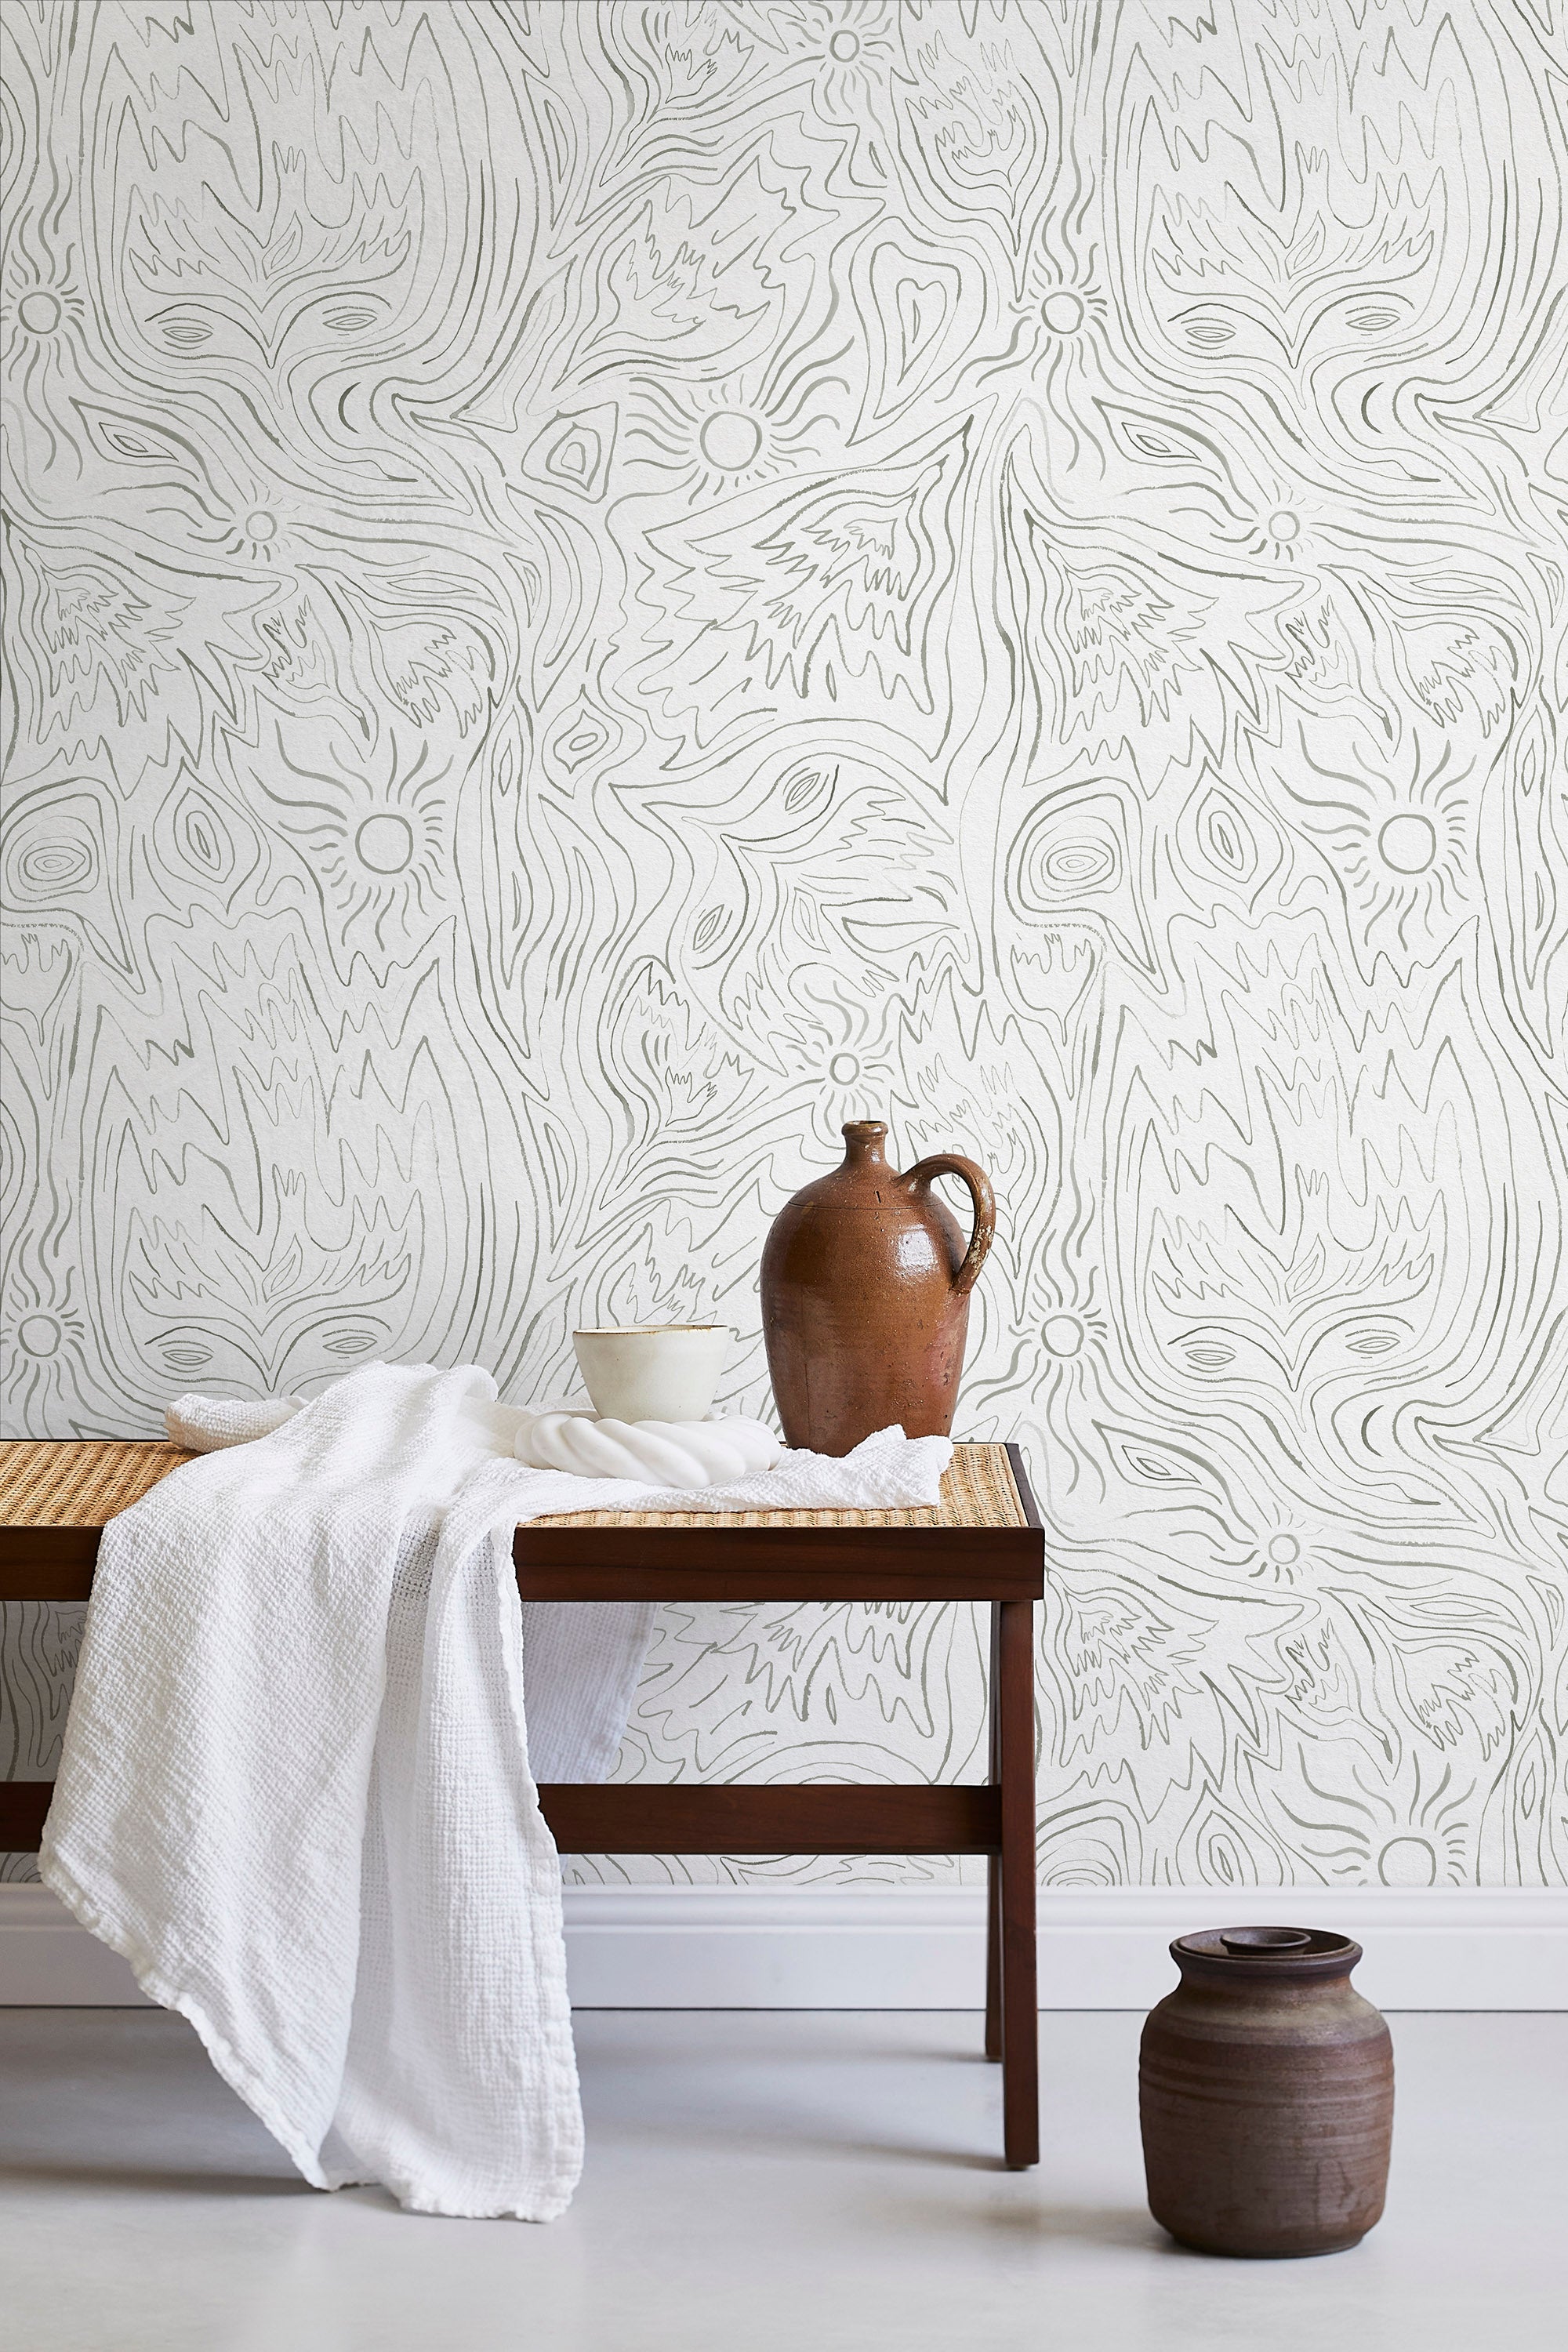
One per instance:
(764, 2183)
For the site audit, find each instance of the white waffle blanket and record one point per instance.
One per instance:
(296, 1790)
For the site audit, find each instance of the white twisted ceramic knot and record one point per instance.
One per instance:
(668, 1453)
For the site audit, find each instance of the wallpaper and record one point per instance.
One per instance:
(595, 591)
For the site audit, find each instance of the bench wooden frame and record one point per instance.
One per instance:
(844, 1560)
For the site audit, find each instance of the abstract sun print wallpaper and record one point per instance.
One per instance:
(593, 590)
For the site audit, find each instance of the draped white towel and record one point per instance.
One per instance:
(296, 1790)
(207, 1424)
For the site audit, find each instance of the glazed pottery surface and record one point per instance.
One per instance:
(1266, 2092)
(865, 1284)
(653, 1372)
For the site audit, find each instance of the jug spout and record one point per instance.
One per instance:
(863, 1143)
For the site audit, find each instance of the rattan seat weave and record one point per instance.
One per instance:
(83, 1483)
(79, 1482)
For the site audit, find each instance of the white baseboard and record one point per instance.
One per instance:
(922, 1947)
(914, 1947)
(48, 1961)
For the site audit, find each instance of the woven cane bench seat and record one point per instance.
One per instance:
(983, 1541)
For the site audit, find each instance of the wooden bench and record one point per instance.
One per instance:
(983, 1542)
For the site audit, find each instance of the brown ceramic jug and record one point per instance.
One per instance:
(1265, 2091)
(865, 1284)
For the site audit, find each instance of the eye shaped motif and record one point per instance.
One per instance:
(1372, 318)
(1209, 331)
(350, 318)
(1373, 1343)
(1209, 1355)
(350, 1343)
(128, 441)
(187, 330)
(1149, 444)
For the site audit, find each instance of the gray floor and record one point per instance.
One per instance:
(759, 2183)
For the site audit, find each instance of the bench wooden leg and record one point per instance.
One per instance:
(993, 1957)
(993, 1866)
(1012, 1701)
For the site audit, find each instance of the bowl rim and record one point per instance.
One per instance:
(649, 1330)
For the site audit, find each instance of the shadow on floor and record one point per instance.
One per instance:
(1026, 2223)
(21, 2170)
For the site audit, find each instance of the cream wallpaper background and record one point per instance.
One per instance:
(594, 590)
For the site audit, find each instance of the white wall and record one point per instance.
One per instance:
(595, 591)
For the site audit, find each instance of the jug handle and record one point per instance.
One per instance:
(950, 1163)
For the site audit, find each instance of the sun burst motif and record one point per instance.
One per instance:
(38, 307)
(1068, 1334)
(1433, 1850)
(712, 439)
(858, 1078)
(43, 318)
(45, 1344)
(1282, 1557)
(375, 844)
(1070, 1342)
(1277, 532)
(1053, 317)
(252, 527)
(1398, 833)
(1065, 312)
(856, 45)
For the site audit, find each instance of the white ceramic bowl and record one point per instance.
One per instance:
(653, 1372)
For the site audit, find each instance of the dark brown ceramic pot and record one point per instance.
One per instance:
(865, 1284)
(1266, 2088)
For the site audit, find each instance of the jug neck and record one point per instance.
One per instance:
(863, 1141)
